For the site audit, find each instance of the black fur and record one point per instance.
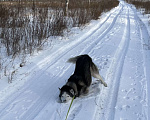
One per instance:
(81, 78)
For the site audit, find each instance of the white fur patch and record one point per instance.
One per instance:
(65, 97)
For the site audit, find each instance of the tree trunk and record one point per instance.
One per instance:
(66, 7)
(89, 1)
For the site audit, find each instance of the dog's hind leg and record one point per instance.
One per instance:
(85, 90)
(100, 78)
(95, 73)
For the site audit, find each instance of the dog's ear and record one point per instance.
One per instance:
(72, 91)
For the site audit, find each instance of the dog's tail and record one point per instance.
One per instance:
(93, 68)
(74, 59)
(95, 73)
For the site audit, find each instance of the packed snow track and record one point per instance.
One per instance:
(120, 46)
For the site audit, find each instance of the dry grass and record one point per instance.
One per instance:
(25, 25)
(32, 22)
(142, 4)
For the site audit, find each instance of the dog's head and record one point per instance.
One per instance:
(66, 93)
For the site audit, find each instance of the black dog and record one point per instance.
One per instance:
(80, 81)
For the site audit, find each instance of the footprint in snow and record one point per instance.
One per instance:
(74, 112)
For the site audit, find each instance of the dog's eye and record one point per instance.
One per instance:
(68, 96)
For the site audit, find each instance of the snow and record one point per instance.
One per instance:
(119, 44)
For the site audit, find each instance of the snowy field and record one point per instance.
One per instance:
(119, 44)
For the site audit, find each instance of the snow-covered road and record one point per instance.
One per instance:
(119, 45)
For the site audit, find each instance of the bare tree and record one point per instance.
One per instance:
(89, 1)
(66, 7)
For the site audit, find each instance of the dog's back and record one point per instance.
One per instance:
(82, 68)
(86, 68)
(80, 81)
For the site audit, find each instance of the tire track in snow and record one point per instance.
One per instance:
(98, 41)
(145, 39)
(37, 108)
(115, 71)
(58, 54)
(128, 105)
(92, 43)
(99, 38)
(89, 47)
